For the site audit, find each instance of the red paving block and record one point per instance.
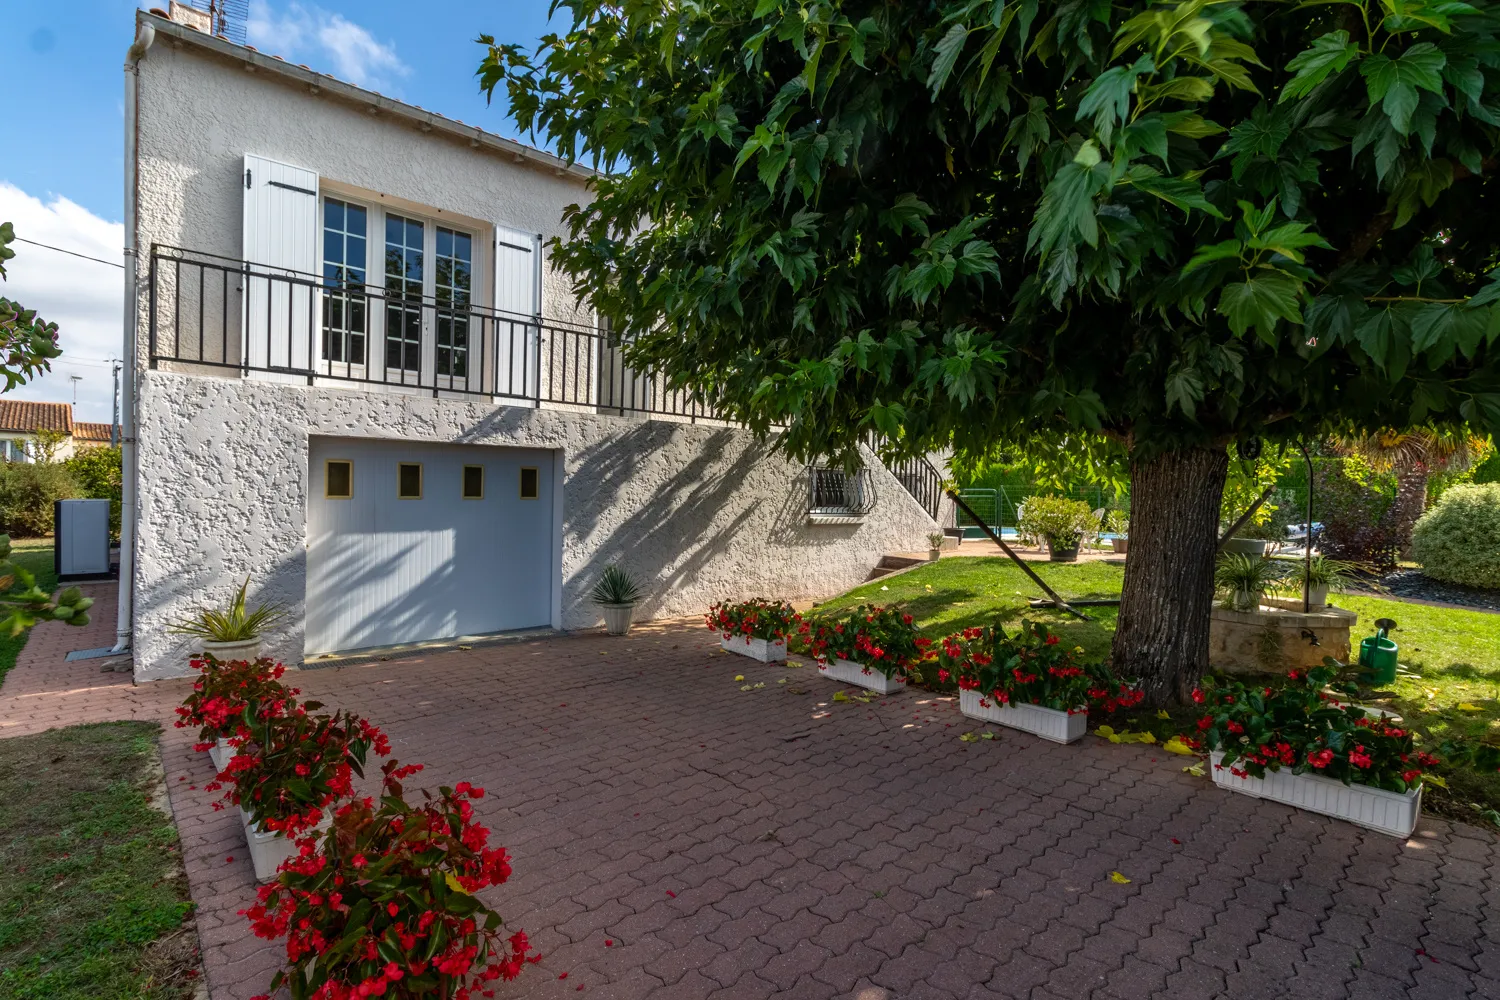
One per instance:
(731, 845)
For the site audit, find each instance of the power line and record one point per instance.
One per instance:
(73, 253)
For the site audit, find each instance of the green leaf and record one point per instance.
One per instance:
(1218, 251)
(1180, 191)
(1261, 302)
(1329, 54)
(947, 49)
(1393, 83)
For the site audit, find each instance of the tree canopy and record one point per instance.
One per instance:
(27, 342)
(967, 222)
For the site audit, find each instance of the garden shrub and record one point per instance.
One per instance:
(1458, 540)
(1061, 521)
(27, 492)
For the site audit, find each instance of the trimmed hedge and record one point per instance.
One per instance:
(1458, 540)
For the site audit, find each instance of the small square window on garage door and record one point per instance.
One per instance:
(473, 482)
(531, 487)
(338, 479)
(409, 481)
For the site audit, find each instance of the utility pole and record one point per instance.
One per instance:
(114, 423)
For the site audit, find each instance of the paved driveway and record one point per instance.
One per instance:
(674, 836)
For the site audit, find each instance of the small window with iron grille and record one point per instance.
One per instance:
(835, 492)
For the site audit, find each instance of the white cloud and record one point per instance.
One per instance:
(307, 33)
(85, 299)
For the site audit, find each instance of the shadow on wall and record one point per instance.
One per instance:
(676, 516)
(425, 607)
(210, 584)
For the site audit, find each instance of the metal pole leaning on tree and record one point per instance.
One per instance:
(1064, 605)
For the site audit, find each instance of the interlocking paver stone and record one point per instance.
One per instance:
(731, 845)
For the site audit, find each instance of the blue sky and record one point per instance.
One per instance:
(61, 180)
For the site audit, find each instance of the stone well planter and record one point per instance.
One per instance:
(1273, 640)
(849, 672)
(764, 650)
(1048, 723)
(267, 850)
(1246, 546)
(1372, 808)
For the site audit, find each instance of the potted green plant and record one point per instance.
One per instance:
(1059, 520)
(935, 546)
(1245, 578)
(1117, 523)
(616, 593)
(231, 633)
(1321, 575)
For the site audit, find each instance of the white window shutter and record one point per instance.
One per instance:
(280, 240)
(518, 303)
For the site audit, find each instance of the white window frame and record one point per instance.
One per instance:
(480, 290)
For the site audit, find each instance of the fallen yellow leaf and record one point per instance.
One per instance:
(1105, 731)
(739, 677)
(1175, 745)
(747, 687)
(1117, 877)
(840, 696)
(1436, 780)
(1465, 706)
(969, 738)
(1163, 714)
(1196, 770)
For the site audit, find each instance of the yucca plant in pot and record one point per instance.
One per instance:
(617, 594)
(233, 632)
(1245, 578)
(1321, 575)
(935, 546)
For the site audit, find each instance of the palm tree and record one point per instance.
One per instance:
(1414, 456)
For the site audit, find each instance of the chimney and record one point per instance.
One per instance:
(192, 17)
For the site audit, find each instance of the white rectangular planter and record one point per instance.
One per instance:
(1394, 813)
(220, 753)
(764, 650)
(849, 672)
(267, 850)
(1048, 723)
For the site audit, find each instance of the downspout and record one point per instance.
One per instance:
(124, 622)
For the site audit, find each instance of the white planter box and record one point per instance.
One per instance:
(267, 850)
(764, 650)
(220, 753)
(1048, 723)
(1373, 808)
(849, 672)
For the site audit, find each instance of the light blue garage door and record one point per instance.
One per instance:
(409, 541)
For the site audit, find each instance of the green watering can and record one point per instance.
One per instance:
(1377, 654)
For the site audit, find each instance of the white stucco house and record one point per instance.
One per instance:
(357, 381)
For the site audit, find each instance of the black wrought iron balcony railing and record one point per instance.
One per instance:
(217, 315)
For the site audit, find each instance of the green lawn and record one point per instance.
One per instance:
(34, 555)
(93, 899)
(1450, 657)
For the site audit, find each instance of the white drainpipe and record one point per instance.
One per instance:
(124, 623)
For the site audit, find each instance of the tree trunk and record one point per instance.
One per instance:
(1162, 636)
(1411, 502)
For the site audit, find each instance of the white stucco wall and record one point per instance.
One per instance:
(699, 512)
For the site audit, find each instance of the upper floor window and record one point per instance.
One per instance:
(405, 279)
(453, 284)
(344, 263)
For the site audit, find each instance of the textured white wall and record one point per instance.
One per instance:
(700, 512)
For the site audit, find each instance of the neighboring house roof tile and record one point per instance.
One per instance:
(86, 431)
(28, 417)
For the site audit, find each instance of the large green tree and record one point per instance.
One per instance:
(975, 222)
